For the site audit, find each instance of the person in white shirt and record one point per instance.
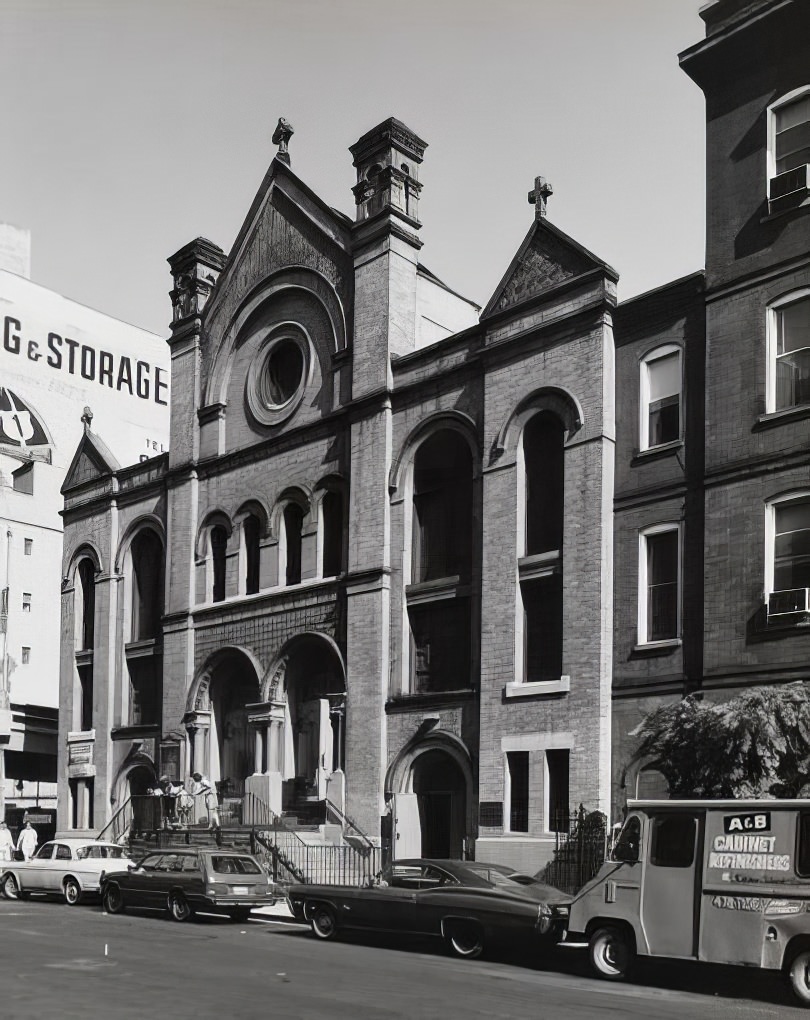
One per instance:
(6, 843)
(27, 842)
(202, 787)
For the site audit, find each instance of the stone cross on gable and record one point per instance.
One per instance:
(539, 196)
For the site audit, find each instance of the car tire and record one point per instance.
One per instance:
(799, 976)
(239, 914)
(179, 908)
(112, 899)
(611, 953)
(323, 922)
(72, 891)
(464, 939)
(10, 887)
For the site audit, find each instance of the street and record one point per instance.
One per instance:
(61, 963)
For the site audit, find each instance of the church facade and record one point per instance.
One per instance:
(364, 572)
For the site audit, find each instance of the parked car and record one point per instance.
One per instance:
(185, 881)
(66, 867)
(469, 905)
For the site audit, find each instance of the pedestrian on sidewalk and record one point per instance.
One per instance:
(6, 843)
(27, 842)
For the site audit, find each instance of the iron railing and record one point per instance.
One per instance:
(580, 849)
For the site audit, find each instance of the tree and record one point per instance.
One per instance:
(755, 745)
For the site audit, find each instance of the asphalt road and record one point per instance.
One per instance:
(77, 963)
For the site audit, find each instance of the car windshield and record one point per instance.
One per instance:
(96, 850)
(234, 865)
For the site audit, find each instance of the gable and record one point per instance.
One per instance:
(546, 259)
(91, 462)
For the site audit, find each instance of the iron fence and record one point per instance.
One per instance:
(580, 848)
(289, 859)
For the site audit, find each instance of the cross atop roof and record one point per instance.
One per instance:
(539, 196)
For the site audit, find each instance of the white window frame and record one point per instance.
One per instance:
(644, 394)
(643, 622)
(770, 533)
(773, 109)
(803, 293)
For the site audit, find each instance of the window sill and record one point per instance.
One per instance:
(538, 688)
(772, 419)
(792, 203)
(540, 565)
(650, 648)
(143, 648)
(134, 732)
(409, 702)
(84, 657)
(433, 591)
(656, 452)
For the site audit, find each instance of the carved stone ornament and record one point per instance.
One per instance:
(201, 700)
(281, 137)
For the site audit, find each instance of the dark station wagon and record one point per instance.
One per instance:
(468, 904)
(186, 881)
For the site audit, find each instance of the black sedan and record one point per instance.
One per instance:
(185, 881)
(467, 904)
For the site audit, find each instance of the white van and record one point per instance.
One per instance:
(719, 881)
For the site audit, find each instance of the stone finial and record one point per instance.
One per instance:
(87, 418)
(539, 196)
(281, 137)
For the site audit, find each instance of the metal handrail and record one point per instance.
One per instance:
(112, 822)
(348, 822)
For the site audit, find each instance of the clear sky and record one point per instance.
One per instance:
(130, 127)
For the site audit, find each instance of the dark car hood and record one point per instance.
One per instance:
(540, 893)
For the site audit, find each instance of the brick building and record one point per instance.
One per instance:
(713, 381)
(379, 564)
(365, 570)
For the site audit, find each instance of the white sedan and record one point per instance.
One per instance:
(66, 867)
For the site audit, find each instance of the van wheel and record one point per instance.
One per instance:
(799, 975)
(464, 940)
(323, 921)
(73, 892)
(611, 953)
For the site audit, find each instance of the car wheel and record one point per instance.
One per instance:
(113, 900)
(323, 921)
(73, 892)
(611, 953)
(465, 940)
(239, 914)
(11, 891)
(179, 907)
(799, 976)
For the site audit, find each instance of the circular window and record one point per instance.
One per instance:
(278, 376)
(282, 372)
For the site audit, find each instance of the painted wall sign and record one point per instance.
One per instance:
(123, 373)
(759, 821)
(744, 852)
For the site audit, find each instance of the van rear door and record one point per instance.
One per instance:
(670, 890)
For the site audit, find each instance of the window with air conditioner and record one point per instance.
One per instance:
(659, 584)
(661, 397)
(789, 352)
(789, 149)
(787, 585)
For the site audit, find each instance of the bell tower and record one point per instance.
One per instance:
(387, 159)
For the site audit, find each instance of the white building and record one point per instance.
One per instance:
(58, 358)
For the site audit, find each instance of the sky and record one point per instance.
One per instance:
(130, 127)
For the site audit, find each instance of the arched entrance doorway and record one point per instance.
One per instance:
(315, 696)
(441, 793)
(222, 743)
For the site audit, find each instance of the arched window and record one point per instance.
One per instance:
(147, 585)
(219, 545)
(442, 505)
(251, 532)
(543, 453)
(332, 525)
(87, 604)
(441, 554)
(541, 568)
(293, 527)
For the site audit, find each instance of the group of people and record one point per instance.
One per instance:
(26, 842)
(178, 802)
